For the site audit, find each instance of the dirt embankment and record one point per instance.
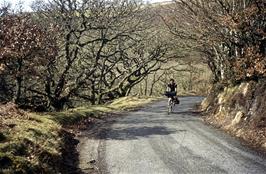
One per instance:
(240, 110)
(45, 142)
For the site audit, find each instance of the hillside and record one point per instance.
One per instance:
(240, 110)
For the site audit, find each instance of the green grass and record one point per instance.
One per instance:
(33, 143)
(29, 143)
(75, 115)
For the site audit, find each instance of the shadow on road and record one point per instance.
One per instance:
(157, 121)
(189, 113)
(142, 127)
(131, 133)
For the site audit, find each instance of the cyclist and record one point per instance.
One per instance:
(172, 91)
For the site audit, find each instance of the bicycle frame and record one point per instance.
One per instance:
(170, 105)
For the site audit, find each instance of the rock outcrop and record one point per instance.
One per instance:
(240, 110)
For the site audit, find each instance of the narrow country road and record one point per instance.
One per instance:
(149, 141)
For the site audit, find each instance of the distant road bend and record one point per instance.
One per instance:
(149, 141)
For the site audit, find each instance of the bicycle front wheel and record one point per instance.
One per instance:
(170, 106)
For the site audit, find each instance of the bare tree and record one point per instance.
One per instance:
(101, 54)
(225, 32)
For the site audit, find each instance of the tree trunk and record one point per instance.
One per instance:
(99, 99)
(146, 86)
(18, 82)
(140, 90)
(59, 103)
(18, 89)
(93, 93)
(153, 84)
(190, 86)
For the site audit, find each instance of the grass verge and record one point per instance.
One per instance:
(35, 143)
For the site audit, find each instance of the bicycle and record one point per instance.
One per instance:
(171, 105)
(171, 101)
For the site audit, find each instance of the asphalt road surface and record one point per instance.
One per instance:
(150, 141)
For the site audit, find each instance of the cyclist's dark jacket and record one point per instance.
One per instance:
(172, 87)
